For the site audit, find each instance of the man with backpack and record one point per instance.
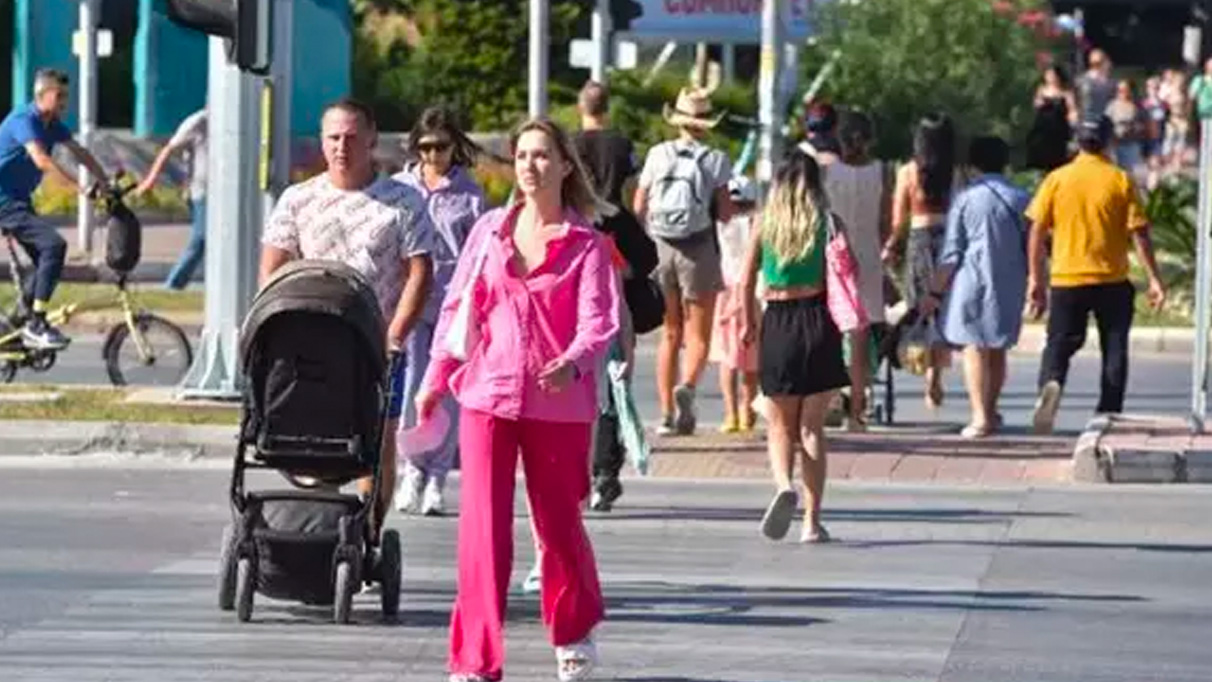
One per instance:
(682, 192)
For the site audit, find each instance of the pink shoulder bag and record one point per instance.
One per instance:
(841, 281)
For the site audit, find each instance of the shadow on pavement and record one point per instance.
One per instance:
(754, 514)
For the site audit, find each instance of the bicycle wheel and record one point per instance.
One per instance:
(166, 360)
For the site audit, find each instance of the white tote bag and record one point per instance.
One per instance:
(463, 334)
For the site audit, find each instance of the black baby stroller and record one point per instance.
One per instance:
(317, 383)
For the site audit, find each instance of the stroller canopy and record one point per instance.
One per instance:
(321, 288)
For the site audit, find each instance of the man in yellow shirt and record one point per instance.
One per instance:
(1091, 211)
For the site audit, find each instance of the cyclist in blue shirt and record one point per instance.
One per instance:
(28, 137)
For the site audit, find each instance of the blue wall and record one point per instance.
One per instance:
(42, 37)
(170, 62)
(323, 49)
(169, 71)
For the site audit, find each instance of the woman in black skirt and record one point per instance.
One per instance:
(800, 364)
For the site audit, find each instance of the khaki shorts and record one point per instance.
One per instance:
(691, 267)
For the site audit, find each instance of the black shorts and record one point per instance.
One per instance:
(801, 349)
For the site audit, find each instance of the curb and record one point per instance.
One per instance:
(25, 437)
(1177, 461)
(1179, 340)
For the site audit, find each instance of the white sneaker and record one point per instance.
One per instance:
(1044, 417)
(534, 580)
(431, 504)
(408, 493)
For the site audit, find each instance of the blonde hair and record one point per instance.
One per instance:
(793, 209)
(577, 192)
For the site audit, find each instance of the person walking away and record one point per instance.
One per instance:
(441, 174)
(28, 136)
(1056, 112)
(800, 351)
(610, 162)
(921, 199)
(1127, 122)
(543, 293)
(859, 193)
(736, 356)
(1092, 212)
(682, 192)
(375, 225)
(1155, 113)
(821, 141)
(1095, 87)
(981, 282)
(191, 137)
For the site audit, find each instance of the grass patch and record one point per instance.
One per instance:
(108, 404)
(150, 296)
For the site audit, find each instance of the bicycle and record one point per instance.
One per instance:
(138, 335)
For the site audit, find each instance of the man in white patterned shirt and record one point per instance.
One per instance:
(376, 225)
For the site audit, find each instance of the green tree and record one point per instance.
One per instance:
(467, 54)
(900, 59)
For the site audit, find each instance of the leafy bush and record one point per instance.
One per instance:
(901, 59)
(1171, 208)
(56, 199)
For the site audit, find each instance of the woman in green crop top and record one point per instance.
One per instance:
(800, 348)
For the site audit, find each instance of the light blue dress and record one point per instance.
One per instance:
(986, 241)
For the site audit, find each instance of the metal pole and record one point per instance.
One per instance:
(770, 114)
(1203, 283)
(233, 226)
(729, 65)
(279, 81)
(88, 119)
(600, 30)
(539, 15)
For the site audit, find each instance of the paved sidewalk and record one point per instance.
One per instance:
(895, 455)
(1143, 449)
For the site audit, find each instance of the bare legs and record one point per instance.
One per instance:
(984, 377)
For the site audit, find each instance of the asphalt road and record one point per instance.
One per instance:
(1157, 384)
(106, 573)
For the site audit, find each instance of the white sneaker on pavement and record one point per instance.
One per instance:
(408, 493)
(1046, 405)
(431, 503)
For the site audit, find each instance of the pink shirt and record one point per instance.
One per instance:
(566, 307)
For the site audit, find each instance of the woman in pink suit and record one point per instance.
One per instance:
(545, 304)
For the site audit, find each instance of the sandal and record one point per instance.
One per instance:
(815, 536)
(576, 661)
(974, 431)
(468, 677)
(778, 515)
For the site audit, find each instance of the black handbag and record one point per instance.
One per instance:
(646, 303)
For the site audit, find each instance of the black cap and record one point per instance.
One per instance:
(1097, 130)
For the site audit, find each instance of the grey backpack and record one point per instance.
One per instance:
(679, 202)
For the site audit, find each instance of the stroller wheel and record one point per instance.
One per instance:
(390, 560)
(227, 569)
(342, 603)
(245, 583)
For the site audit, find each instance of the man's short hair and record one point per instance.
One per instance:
(356, 107)
(1094, 134)
(989, 154)
(45, 79)
(594, 99)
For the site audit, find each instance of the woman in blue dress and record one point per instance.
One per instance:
(980, 285)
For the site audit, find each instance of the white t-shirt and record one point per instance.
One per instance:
(192, 134)
(734, 241)
(373, 230)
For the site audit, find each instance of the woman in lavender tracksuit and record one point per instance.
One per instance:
(442, 175)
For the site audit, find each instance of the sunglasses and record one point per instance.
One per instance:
(433, 146)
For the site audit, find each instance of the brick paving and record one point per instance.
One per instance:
(892, 455)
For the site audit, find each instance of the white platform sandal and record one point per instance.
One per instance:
(577, 661)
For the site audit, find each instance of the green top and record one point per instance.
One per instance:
(806, 271)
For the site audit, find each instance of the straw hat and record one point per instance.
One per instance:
(693, 110)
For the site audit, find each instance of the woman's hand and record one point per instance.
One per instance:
(426, 402)
(557, 375)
